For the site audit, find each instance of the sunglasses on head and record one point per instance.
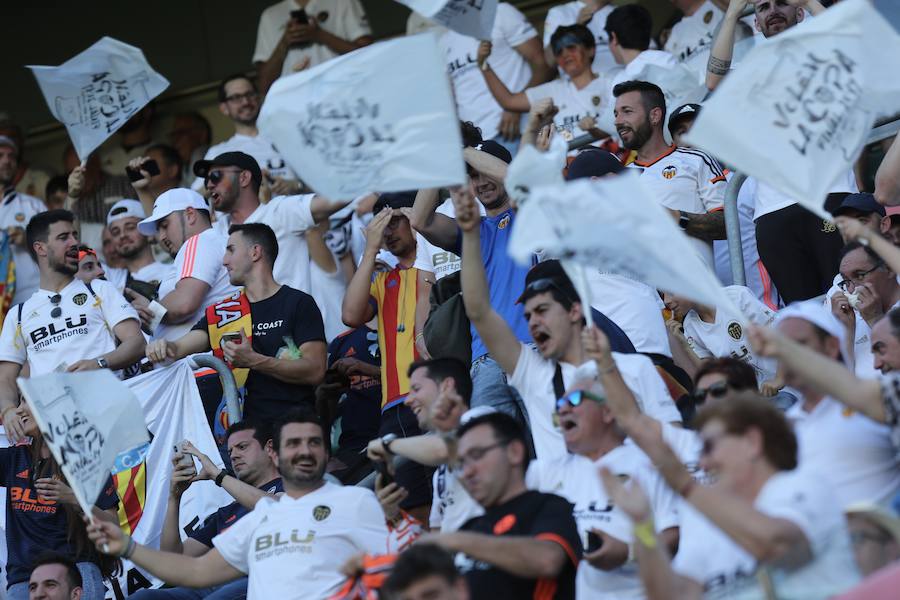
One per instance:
(716, 390)
(55, 299)
(575, 398)
(539, 286)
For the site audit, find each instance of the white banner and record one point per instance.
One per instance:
(380, 119)
(474, 18)
(531, 168)
(97, 91)
(796, 112)
(615, 225)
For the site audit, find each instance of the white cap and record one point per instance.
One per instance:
(124, 209)
(813, 311)
(168, 202)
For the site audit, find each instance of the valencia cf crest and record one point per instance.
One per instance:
(321, 512)
(734, 330)
(828, 226)
(504, 222)
(80, 299)
(669, 172)
(708, 17)
(20, 217)
(596, 100)
(323, 16)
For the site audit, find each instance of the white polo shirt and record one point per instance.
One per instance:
(83, 330)
(533, 378)
(576, 479)
(294, 548)
(474, 101)
(573, 104)
(851, 452)
(16, 210)
(566, 14)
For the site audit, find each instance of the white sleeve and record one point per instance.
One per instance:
(539, 92)
(534, 475)
(552, 21)
(753, 309)
(296, 211)
(203, 259)
(234, 543)
(645, 382)
(267, 36)
(803, 500)
(423, 260)
(662, 499)
(711, 183)
(354, 23)
(371, 534)
(512, 25)
(695, 341)
(12, 349)
(114, 306)
(532, 370)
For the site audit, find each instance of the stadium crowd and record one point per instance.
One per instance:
(425, 418)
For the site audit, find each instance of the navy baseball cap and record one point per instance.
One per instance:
(394, 200)
(243, 161)
(545, 275)
(862, 203)
(494, 149)
(684, 111)
(593, 163)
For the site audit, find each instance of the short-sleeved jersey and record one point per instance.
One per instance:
(360, 407)
(573, 104)
(16, 210)
(220, 521)
(83, 330)
(531, 514)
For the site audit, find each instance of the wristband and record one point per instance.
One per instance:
(220, 477)
(645, 533)
(159, 311)
(129, 547)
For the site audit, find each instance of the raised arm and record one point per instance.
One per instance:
(517, 102)
(438, 229)
(723, 46)
(356, 309)
(485, 163)
(855, 230)
(519, 555)
(322, 208)
(887, 178)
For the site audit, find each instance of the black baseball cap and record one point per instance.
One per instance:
(545, 275)
(861, 203)
(494, 149)
(685, 111)
(394, 200)
(243, 161)
(593, 163)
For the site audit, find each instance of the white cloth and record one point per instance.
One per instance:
(768, 199)
(711, 558)
(566, 14)
(293, 548)
(257, 146)
(451, 504)
(851, 452)
(573, 104)
(345, 19)
(863, 359)
(200, 257)
(474, 101)
(632, 305)
(153, 272)
(82, 331)
(533, 378)
(575, 478)
(726, 337)
(16, 210)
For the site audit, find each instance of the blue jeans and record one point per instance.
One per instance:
(490, 388)
(235, 590)
(92, 587)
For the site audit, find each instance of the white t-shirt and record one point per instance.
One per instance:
(576, 479)
(632, 305)
(294, 548)
(16, 210)
(82, 331)
(434, 259)
(533, 378)
(726, 336)
(289, 217)
(688, 447)
(863, 359)
(573, 104)
(768, 199)
(566, 14)
(200, 257)
(328, 291)
(689, 180)
(711, 558)
(261, 149)
(853, 453)
(155, 271)
(345, 19)
(474, 101)
(451, 504)
(693, 35)
(632, 69)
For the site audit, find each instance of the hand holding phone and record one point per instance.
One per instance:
(232, 336)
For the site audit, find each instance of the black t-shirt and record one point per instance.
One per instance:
(34, 525)
(360, 409)
(532, 514)
(291, 314)
(227, 516)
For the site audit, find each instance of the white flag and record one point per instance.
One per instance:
(474, 18)
(531, 168)
(97, 91)
(614, 224)
(797, 111)
(380, 119)
(89, 438)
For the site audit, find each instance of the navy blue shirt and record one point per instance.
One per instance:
(227, 516)
(360, 410)
(34, 525)
(618, 339)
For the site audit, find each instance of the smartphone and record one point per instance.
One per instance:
(382, 468)
(594, 542)
(186, 459)
(151, 166)
(300, 16)
(232, 336)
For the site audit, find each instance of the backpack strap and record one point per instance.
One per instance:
(558, 387)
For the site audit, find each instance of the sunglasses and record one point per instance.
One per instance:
(218, 175)
(716, 390)
(577, 397)
(55, 299)
(539, 286)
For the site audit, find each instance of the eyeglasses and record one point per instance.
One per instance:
(857, 277)
(55, 299)
(234, 98)
(218, 175)
(476, 454)
(577, 397)
(716, 390)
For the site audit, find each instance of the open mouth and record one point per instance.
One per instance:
(567, 425)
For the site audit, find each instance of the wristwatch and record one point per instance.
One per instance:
(683, 220)
(387, 440)
(220, 477)
(102, 363)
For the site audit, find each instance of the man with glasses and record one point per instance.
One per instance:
(594, 440)
(65, 325)
(868, 289)
(526, 544)
(240, 102)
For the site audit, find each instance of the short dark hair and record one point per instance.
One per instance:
(506, 429)
(632, 25)
(440, 369)
(651, 94)
(893, 317)
(417, 563)
(261, 234)
(738, 374)
(579, 32)
(59, 183)
(747, 410)
(169, 154)
(38, 228)
(303, 414)
(856, 245)
(471, 133)
(229, 79)
(199, 121)
(73, 575)
(261, 433)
